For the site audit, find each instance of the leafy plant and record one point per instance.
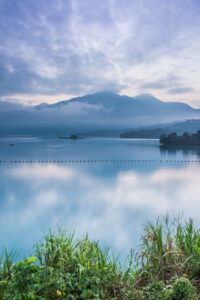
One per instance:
(183, 290)
(166, 268)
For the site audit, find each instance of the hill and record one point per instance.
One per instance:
(190, 126)
(100, 111)
(183, 140)
(6, 106)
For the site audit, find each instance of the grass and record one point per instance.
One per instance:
(166, 267)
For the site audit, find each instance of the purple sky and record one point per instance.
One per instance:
(53, 50)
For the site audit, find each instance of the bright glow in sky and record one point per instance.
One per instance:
(53, 50)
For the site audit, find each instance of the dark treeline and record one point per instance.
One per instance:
(142, 133)
(186, 139)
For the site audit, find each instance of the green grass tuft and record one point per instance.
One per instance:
(167, 267)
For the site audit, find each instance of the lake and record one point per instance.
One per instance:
(107, 188)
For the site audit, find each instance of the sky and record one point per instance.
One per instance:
(55, 50)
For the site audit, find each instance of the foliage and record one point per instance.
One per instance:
(186, 139)
(183, 289)
(166, 267)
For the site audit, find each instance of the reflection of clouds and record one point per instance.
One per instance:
(110, 210)
(40, 205)
(37, 206)
(42, 172)
(170, 175)
(162, 189)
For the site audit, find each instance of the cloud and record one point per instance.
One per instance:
(171, 85)
(80, 108)
(75, 47)
(180, 90)
(162, 83)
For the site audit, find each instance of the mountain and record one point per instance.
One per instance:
(41, 106)
(6, 106)
(189, 126)
(128, 109)
(99, 111)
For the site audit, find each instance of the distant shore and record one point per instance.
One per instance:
(71, 137)
(185, 140)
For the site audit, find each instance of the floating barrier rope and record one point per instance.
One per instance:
(80, 161)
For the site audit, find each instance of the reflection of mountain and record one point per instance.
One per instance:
(99, 111)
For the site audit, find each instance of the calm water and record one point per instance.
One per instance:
(110, 201)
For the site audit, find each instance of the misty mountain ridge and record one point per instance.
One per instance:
(6, 106)
(142, 104)
(99, 111)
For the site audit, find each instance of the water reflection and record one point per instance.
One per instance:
(110, 202)
(180, 151)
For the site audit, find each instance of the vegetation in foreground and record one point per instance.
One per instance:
(167, 267)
